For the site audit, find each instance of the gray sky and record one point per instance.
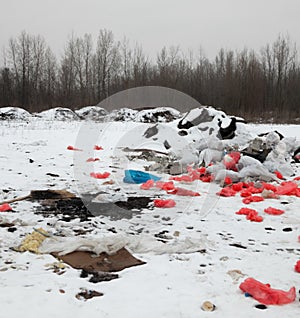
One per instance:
(211, 24)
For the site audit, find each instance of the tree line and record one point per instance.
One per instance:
(255, 85)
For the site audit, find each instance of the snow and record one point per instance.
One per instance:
(169, 285)
(58, 113)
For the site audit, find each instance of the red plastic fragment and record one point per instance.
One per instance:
(245, 193)
(184, 192)
(269, 186)
(147, 185)
(96, 147)
(159, 203)
(267, 295)
(228, 180)
(73, 148)
(165, 185)
(273, 211)
(99, 175)
(251, 214)
(226, 192)
(286, 188)
(92, 159)
(237, 186)
(230, 160)
(184, 177)
(253, 198)
(297, 178)
(297, 267)
(5, 207)
(278, 175)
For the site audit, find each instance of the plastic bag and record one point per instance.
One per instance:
(251, 214)
(159, 203)
(273, 211)
(297, 267)
(147, 185)
(167, 186)
(136, 176)
(226, 192)
(5, 207)
(253, 198)
(267, 295)
(98, 175)
(184, 192)
(286, 188)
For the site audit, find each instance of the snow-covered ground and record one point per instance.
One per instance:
(34, 156)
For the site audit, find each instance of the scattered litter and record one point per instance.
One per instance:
(169, 203)
(273, 211)
(86, 294)
(184, 192)
(98, 175)
(92, 159)
(73, 148)
(265, 294)
(96, 147)
(297, 267)
(104, 262)
(208, 306)
(5, 207)
(235, 274)
(33, 241)
(251, 214)
(136, 176)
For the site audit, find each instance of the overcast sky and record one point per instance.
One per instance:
(211, 24)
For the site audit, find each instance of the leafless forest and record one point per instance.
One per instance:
(256, 85)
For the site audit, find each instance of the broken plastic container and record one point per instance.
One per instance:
(267, 295)
(136, 176)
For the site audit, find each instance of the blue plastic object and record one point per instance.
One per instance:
(136, 176)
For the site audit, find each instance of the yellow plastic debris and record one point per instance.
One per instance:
(33, 241)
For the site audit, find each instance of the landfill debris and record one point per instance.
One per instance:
(5, 207)
(33, 241)
(297, 267)
(136, 176)
(98, 175)
(104, 262)
(235, 274)
(168, 203)
(261, 306)
(267, 295)
(92, 159)
(98, 276)
(273, 211)
(73, 148)
(86, 294)
(251, 214)
(208, 306)
(96, 147)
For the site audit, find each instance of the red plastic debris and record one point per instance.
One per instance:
(202, 170)
(297, 267)
(96, 147)
(99, 175)
(5, 207)
(230, 160)
(73, 148)
(278, 175)
(159, 203)
(228, 180)
(147, 185)
(251, 214)
(165, 185)
(267, 295)
(184, 177)
(269, 186)
(184, 192)
(273, 211)
(237, 186)
(207, 178)
(286, 188)
(92, 159)
(245, 193)
(226, 192)
(253, 198)
(297, 178)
